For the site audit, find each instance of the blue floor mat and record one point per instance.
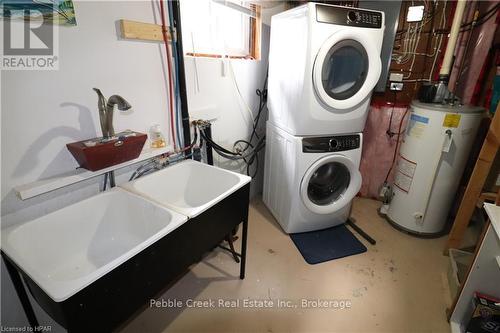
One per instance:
(327, 244)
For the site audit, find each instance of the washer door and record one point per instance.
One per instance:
(346, 69)
(330, 184)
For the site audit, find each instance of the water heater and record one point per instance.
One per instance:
(430, 164)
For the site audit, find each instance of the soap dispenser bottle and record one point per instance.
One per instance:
(157, 138)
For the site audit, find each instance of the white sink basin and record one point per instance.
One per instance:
(188, 187)
(67, 250)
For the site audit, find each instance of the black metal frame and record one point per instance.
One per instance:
(116, 296)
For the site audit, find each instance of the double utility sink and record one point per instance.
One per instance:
(63, 254)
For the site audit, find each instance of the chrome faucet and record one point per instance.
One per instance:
(106, 111)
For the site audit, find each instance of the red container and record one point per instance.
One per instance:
(106, 154)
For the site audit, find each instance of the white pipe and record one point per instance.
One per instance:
(452, 41)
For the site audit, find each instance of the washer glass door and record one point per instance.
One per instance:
(330, 184)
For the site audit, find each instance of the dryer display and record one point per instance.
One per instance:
(330, 143)
(348, 16)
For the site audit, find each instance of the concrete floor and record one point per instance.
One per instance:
(396, 286)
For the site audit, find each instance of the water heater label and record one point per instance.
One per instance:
(421, 119)
(451, 120)
(417, 125)
(404, 173)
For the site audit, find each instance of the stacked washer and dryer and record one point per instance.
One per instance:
(324, 62)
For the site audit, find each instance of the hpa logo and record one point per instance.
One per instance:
(29, 36)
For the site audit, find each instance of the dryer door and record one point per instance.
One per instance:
(330, 184)
(346, 69)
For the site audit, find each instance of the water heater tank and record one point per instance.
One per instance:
(431, 161)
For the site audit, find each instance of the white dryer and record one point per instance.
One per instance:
(324, 62)
(309, 182)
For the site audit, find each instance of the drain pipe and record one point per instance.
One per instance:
(182, 74)
(444, 73)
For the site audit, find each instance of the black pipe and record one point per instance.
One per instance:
(208, 134)
(176, 13)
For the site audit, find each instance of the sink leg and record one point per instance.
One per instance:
(112, 179)
(243, 248)
(229, 240)
(21, 293)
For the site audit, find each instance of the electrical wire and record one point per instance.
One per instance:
(398, 134)
(481, 19)
(464, 27)
(233, 76)
(262, 94)
(243, 150)
(438, 49)
(249, 155)
(415, 46)
(389, 131)
(409, 43)
(227, 58)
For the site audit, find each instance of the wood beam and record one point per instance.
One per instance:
(142, 31)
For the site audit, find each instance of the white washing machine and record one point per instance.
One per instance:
(324, 62)
(309, 182)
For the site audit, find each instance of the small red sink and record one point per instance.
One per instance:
(95, 154)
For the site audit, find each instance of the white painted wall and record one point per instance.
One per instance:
(44, 110)
(231, 119)
(41, 111)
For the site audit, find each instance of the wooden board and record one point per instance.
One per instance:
(476, 182)
(142, 31)
(256, 33)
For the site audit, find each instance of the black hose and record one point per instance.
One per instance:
(248, 152)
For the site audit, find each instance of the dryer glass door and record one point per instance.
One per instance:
(330, 184)
(344, 69)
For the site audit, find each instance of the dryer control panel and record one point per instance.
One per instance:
(330, 143)
(348, 16)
